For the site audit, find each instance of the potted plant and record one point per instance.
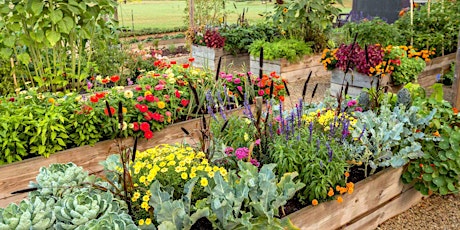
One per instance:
(372, 65)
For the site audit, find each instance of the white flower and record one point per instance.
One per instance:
(246, 137)
(23, 92)
(125, 125)
(129, 94)
(28, 97)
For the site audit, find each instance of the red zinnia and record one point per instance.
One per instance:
(192, 59)
(136, 126)
(184, 102)
(114, 78)
(94, 99)
(148, 134)
(142, 108)
(145, 126)
(150, 98)
(157, 117)
(177, 93)
(112, 111)
(105, 81)
(173, 62)
(100, 95)
(185, 66)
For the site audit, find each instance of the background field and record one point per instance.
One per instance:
(170, 14)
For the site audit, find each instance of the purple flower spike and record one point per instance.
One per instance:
(329, 151)
(310, 128)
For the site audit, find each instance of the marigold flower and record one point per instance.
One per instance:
(331, 192)
(51, 100)
(339, 199)
(350, 190)
(455, 110)
(314, 202)
(347, 174)
(204, 182)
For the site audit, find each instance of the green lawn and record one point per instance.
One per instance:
(168, 14)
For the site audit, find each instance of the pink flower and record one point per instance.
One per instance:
(261, 92)
(351, 103)
(242, 153)
(159, 87)
(237, 81)
(240, 88)
(229, 151)
(358, 109)
(255, 162)
(167, 113)
(162, 82)
(138, 88)
(142, 108)
(148, 87)
(140, 98)
(257, 142)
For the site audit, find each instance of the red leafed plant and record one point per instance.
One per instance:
(213, 39)
(353, 56)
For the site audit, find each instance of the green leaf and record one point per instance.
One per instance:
(451, 155)
(24, 58)
(41, 149)
(439, 181)
(66, 25)
(443, 191)
(451, 187)
(427, 177)
(428, 169)
(37, 7)
(5, 53)
(60, 142)
(53, 37)
(56, 16)
(53, 135)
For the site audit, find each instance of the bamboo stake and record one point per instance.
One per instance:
(14, 73)
(456, 101)
(412, 21)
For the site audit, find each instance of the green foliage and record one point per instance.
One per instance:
(375, 31)
(239, 38)
(58, 45)
(408, 71)
(306, 20)
(389, 138)
(435, 27)
(290, 49)
(439, 169)
(404, 98)
(110, 221)
(33, 213)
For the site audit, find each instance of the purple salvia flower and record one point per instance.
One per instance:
(362, 132)
(287, 131)
(293, 122)
(247, 107)
(329, 151)
(310, 128)
(345, 130)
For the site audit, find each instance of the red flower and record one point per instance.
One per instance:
(94, 99)
(177, 93)
(157, 63)
(136, 126)
(192, 59)
(147, 117)
(184, 102)
(138, 88)
(157, 117)
(185, 66)
(114, 78)
(100, 95)
(142, 108)
(145, 126)
(86, 109)
(105, 81)
(112, 111)
(148, 134)
(173, 62)
(150, 98)
(11, 99)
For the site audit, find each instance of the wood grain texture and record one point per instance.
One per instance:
(395, 206)
(368, 195)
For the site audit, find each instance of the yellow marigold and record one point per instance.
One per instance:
(314, 202)
(339, 199)
(350, 185)
(161, 105)
(350, 190)
(347, 174)
(343, 190)
(184, 175)
(337, 188)
(51, 100)
(204, 182)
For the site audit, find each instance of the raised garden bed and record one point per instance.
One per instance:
(206, 57)
(376, 199)
(292, 72)
(356, 82)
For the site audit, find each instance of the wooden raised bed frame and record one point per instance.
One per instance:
(208, 58)
(374, 200)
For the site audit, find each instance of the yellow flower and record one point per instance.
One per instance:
(204, 182)
(171, 163)
(184, 175)
(141, 222)
(223, 172)
(146, 198)
(148, 221)
(246, 137)
(285, 10)
(161, 105)
(192, 175)
(51, 100)
(200, 168)
(137, 195)
(162, 164)
(340, 199)
(163, 170)
(145, 205)
(142, 179)
(204, 162)
(208, 169)
(211, 174)
(147, 93)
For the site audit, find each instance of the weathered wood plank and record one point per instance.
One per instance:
(394, 207)
(368, 195)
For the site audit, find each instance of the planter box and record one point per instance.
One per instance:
(375, 199)
(292, 72)
(16, 176)
(436, 66)
(208, 58)
(356, 82)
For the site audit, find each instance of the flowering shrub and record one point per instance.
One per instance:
(172, 166)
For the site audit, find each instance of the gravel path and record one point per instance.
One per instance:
(435, 212)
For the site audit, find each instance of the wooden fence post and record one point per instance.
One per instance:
(457, 76)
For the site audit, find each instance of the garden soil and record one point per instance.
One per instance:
(434, 212)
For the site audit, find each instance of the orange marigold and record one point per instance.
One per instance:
(314, 202)
(331, 192)
(339, 199)
(347, 174)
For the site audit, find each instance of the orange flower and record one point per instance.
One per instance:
(347, 174)
(350, 190)
(337, 188)
(455, 110)
(281, 98)
(339, 199)
(314, 202)
(436, 134)
(331, 192)
(350, 185)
